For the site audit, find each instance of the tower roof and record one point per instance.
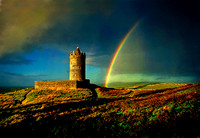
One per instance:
(77, 50)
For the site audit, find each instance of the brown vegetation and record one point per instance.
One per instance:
(159, 111)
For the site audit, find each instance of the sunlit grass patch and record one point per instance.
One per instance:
(189, 90)
(112, 93)
(13, 119)
(12, 99)
(163, 85)
(40, 96)
(139, 85)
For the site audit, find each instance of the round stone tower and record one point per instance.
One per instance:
(77, 65)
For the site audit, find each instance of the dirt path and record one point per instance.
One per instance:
(25, 96)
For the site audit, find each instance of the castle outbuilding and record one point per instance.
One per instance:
(76, 76)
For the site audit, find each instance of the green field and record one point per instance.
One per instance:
(159, 109)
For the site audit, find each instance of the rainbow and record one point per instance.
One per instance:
(117, 52)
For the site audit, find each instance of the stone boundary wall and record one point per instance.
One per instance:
(60, 85)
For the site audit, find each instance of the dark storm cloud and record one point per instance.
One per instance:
(14, 59)
(171, 36)
(169, 32)
(169, 39)
(16, 79)
(30, 19)
(10, 74)
(101, 31)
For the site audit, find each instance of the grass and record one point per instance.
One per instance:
(154, 111)
(5, 90)
(161, 85)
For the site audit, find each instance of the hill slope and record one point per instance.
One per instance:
(166, 109)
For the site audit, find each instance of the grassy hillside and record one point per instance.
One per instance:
(164, 109)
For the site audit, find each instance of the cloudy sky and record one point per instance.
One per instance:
(36, 37)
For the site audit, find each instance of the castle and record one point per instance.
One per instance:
(76, 77)
(77, 65)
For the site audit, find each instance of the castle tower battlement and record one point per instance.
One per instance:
(77, 65)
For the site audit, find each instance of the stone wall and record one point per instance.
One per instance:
(60, 85)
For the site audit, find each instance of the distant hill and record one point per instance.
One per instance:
(143, 109)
